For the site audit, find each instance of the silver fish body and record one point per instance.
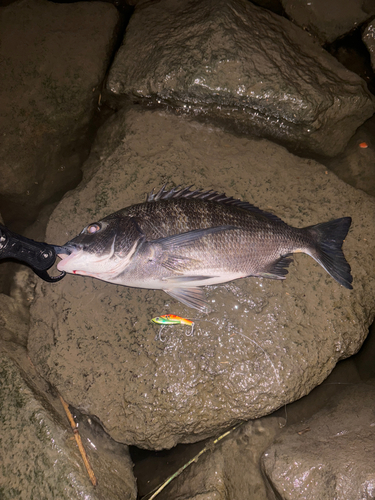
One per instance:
(180, 240)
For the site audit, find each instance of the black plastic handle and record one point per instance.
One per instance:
(39, 256)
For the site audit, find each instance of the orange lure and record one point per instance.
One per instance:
(172, 319)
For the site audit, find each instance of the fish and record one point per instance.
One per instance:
(182, 239)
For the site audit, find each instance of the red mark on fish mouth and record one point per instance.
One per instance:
(65, 259)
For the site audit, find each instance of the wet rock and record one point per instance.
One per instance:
(343, 375)
(364, 360)
(14, 320)
(235, 462)
(3, 275)
(272, 5)
(356, 165)
(331, 456)
(242, 66)
(230, 470)
(328, 20)
(17, 284)
(39, 459)
(369, 39)
(53, 59)
(266, 342)
(14, 307)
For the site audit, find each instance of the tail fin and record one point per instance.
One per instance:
(329, 237)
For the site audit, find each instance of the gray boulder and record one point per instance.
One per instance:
(237, 64)
(53, 58)
(266, 342)
(38, 457)
(230, 470)
(369, 39)
(356, 165)
(14, 316)
(229, 466)
(329, 20)
(331, 455)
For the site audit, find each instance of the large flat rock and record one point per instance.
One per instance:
(266, 342)
(330, 455)
(39, 458)
(368, 38)
(328, 20)
(53, 58)
(243, 66)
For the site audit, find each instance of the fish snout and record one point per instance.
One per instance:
(67, 253)
(63, 250)
(66, 250)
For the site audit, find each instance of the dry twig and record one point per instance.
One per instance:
(194, 459)
(79, 443)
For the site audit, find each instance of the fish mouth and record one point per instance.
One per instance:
(76, 259)
(66, 253)
(64, 250)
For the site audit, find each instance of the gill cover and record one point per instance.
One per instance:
(102, 249)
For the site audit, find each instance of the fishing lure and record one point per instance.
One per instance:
(172, 319)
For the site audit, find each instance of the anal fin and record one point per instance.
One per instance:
(279, 269)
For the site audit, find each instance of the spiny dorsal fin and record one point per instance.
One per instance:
(208, 195)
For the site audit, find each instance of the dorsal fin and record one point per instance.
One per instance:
(209, 195)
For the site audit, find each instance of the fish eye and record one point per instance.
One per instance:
(93, 228)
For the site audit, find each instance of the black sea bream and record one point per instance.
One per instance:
(180, 240)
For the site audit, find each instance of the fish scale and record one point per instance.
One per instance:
(181, 239)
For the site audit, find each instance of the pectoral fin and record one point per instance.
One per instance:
(191, 297)
(178, 263)
(171, 244)
(179, 240)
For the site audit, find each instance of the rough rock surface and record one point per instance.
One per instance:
(234, 471)
(53, 58)
(38, 457)
(14, 319)
(365, 359)
(4, 276)
(266, 343)
(329, 20)
(356, 165)
(369, 39)
(230, 470)
(234, 62)
(344, 374)
(332, 455)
